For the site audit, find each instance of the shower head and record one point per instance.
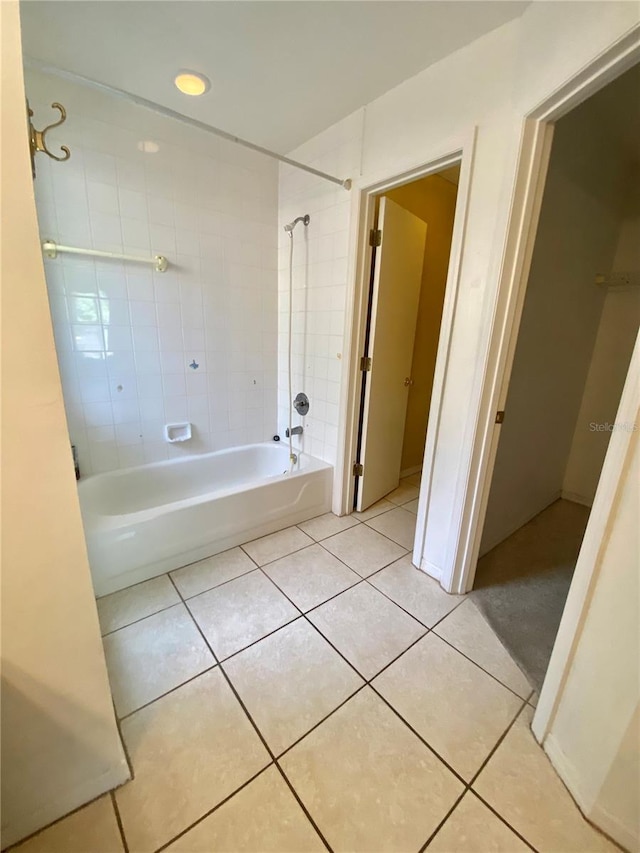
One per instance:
(306, 219)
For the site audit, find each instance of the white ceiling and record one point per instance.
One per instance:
(280, 71)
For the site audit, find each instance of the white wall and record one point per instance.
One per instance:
(578, 231)
(594, 738)
(609, 363)
(60, 742)
(126, 335)
(492, 83)
(319, 285)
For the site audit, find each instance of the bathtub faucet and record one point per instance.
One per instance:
(294, 431)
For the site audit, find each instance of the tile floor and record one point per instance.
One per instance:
(312, 690)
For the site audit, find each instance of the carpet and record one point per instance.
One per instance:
(522, 584)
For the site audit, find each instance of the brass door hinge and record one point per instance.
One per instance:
(499, 417)
(365, 363)
(375, 237)
(358, 469)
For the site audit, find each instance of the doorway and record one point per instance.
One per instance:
(410, 246)
(574, 345)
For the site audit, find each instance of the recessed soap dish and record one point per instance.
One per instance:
(177, 432)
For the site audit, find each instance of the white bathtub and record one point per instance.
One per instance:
(141, 522)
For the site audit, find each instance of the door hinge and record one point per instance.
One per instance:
(375, 237)
(365, 363)
(358, 469)
(499, 417)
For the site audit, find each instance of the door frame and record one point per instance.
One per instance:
(456, 151)
(531, 174)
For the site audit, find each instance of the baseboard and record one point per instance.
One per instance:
(576, 498)
(66, 803)
(611, 826)
(417, 469)
(599, 817)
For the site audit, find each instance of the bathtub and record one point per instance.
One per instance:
(141, 522)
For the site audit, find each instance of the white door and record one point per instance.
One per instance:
(396, 293)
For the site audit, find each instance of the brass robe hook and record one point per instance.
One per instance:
(37, 138)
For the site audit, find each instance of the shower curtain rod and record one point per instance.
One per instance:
(169, 113)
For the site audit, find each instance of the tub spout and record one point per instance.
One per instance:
(295, 431)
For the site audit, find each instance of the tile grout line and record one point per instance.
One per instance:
(124, 746)
(499, 741)
(259, 733)
(416, 733)
(368, 683)
(222, 583)
(303, 614)
(502, 819)
(429, 628)
(215, 808)
(183, 599)
(469, 789)
(443, 821)
(323, 720)
(166, 693)
(295, 550)
(475, 663)
(141, 619)
(116, 810)
(366, 524)
(52, 823)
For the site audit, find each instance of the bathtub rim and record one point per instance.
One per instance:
(98, 520)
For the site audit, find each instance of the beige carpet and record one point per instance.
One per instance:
(522, 584)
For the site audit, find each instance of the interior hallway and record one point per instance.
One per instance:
(522, 584)
(312, 690)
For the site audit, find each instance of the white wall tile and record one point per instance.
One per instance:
(125, 334)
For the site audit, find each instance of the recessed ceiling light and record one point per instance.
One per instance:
(148, 146)
(192, 83)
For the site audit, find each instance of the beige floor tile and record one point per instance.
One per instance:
(289, 681)
(533, 700)
(403, 494)
(204, 575)
(128, 605)
(373, 510)
(456, 707)
(397, 524)
(92, 828)
(276, 545)
(521, 785)
(412, 480)
(367, 780)
(262, 817)
(367, 628)
(238, 613)
(473, 828)
(412, 506)
(327, 525)
(189, 751)
(311, 576)
(414, 590)
(467, 630)
(364, 550)
(152, 656)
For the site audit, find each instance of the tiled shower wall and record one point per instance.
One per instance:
(139, 349)
(319, 283)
